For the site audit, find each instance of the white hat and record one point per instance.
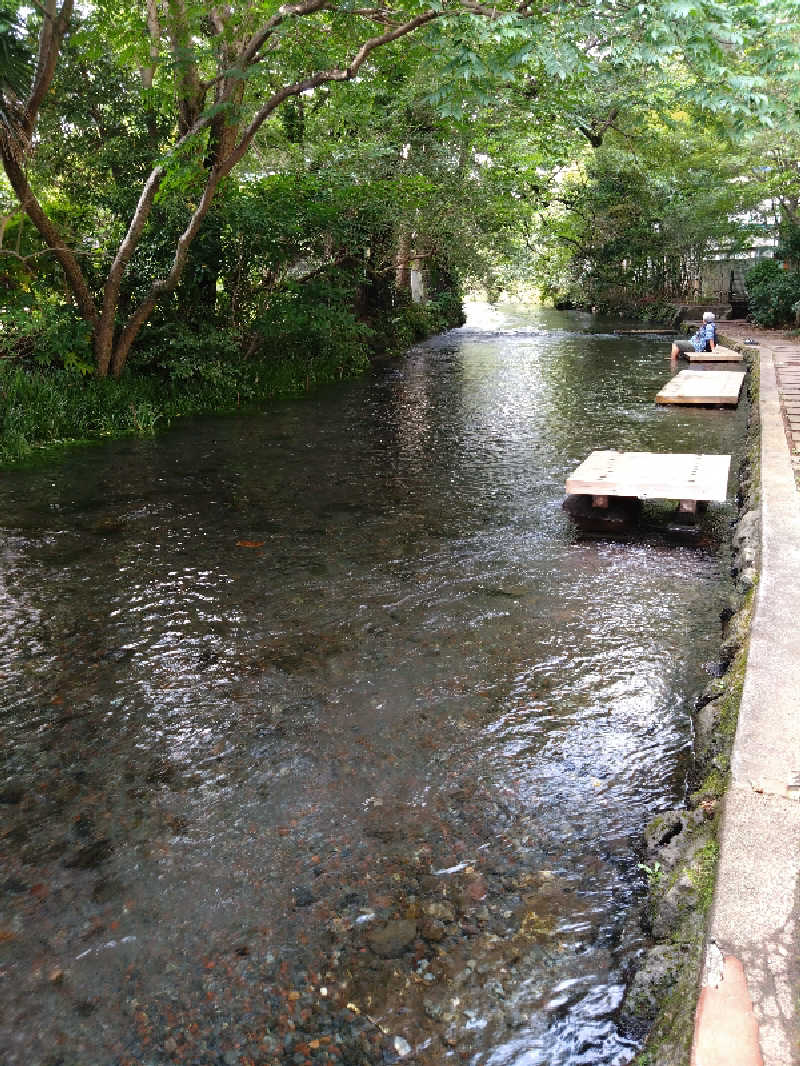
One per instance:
(708, 316)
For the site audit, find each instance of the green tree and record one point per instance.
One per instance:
(201, 89)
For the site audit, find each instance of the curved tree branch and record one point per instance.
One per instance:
(54, 25)
(320, 78)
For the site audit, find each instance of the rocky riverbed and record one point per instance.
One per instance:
(325, 737)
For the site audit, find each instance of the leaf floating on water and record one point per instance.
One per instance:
(249, 543)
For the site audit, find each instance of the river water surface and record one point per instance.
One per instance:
(324, 735)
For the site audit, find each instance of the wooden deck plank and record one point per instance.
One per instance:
(652, 475)
(719, 355)
(703, 386)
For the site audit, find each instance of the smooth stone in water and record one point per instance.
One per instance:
(391, 939)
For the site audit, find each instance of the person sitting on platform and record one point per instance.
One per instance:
(705, 340)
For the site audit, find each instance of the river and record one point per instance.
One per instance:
(327, 738)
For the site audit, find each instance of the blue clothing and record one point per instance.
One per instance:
(701, 341)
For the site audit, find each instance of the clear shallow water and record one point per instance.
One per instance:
(272, 682)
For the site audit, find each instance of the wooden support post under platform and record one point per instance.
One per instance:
(719, 355)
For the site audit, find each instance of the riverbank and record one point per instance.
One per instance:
(44, 410)
(47, 407)
(730, 933)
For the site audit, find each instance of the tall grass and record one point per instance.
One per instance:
(49, 396)
(42, 407)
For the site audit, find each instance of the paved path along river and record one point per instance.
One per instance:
(326, 739)
(753, 928)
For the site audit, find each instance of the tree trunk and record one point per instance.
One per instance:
(103, 345)
(161, 286)
(402, 274)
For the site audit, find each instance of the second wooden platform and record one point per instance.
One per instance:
(703, 386)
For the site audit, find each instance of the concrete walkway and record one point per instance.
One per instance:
(749, 1007)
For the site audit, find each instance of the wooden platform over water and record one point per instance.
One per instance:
(719, 355)
(652, 476)
(703, 387)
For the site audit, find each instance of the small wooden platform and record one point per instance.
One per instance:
(703, 386)
(719, 355)
(652, 476)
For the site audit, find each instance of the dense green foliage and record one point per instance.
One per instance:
(41, 408)
(213, 190)
(15, 71)
(633, 227)
(774, 294)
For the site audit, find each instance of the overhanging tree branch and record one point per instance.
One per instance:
(173, 22)
(51, 36)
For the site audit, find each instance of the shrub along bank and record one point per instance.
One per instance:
(773, 294)
(680, 845)
(295, 280)
(50, 396)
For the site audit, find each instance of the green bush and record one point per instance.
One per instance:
(400, 327)
(313, 328)
(448, 306)
(46, 334)
(181, 350)
(656, 311)
(772, 293)
(43, 406)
